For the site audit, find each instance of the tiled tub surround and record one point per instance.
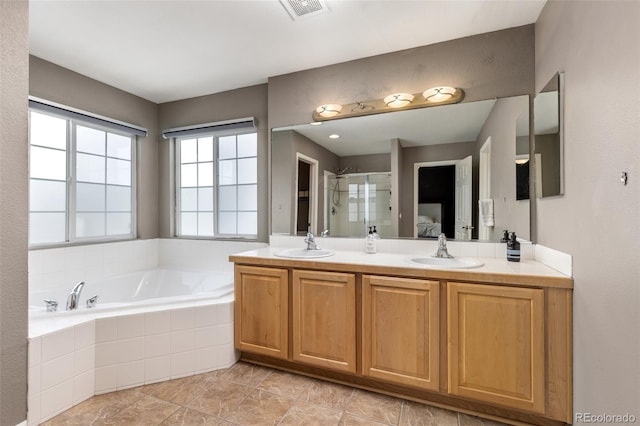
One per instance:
(73, 356)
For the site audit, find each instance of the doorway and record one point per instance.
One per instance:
(306, 203)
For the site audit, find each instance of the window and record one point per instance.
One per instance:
(217, 191)
(81, 181)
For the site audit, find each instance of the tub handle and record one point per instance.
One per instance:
(52, 305)
(91, 302)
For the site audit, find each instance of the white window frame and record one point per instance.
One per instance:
(71, 182)
(216, 135)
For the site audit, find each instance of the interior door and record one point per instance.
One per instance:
(463, 199)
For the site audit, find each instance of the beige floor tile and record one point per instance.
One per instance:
(219, 398)
(96, 409)
(381, 408)
(304, 413)
(327, 394)
(417, 414)
(260, 408)
(147, 411)
(188, 417)
(285, 384)
(351, 420)
(178, 391)
(467, 420)
(247, 374)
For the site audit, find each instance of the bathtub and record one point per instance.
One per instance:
(147, 327)
(138, 289)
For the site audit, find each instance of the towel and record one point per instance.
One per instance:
(486, 212)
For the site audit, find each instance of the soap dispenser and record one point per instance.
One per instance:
(370, 242)
(505, 236)
(513, 249)
(375, 233)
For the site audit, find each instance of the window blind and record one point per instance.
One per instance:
(45, 106)
(216, 128)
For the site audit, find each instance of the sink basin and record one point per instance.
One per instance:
(453, 263)
(302, 253)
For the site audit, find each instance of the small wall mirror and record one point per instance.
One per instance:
(549, 138)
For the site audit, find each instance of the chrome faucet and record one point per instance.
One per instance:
(442, 248)
(311, 242)
(74, 296)
(325, 233)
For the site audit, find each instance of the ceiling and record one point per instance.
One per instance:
(169, 50)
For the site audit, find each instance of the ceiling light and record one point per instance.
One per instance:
(316, 123)
(439, 94)
(334, 136)
(398, 100)
(329, 110)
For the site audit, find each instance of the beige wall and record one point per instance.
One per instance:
(597, 221)
(14, 79)
(57, 84)
(245, 102)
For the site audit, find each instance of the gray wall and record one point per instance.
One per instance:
(14, 79)
(548, 148)
(501, 128)
(285, 146)
(419, 154)
(366, 163)
(245, 102)
(597, 220)
(57, 84)
(486, 66)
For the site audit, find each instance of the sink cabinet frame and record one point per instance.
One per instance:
(542, 303)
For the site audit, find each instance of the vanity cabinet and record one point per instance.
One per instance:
(324, 319)
(496, 344)
(400, 330)
(262, 310)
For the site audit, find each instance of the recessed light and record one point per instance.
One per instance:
(316, 123)
(334, 136)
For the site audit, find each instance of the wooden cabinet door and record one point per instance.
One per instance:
(496, 344)
(262, 310)
(324, 319)
(400, 330)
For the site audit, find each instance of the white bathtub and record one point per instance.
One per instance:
(137, 290)
(146, 327)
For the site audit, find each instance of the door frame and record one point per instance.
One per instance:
(416, 168)
(485, 184)
(313, 193)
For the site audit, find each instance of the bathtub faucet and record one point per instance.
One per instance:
(74, 296)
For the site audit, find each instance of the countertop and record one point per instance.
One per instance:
(494, 270)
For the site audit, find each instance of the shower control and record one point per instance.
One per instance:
(52, 305)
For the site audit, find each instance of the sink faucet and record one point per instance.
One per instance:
(74, 296)
(311, 242)
(442, 248)
(325, 233)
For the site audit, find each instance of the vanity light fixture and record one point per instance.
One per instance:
(329, 110)
(398, 100)
(437, 95)
(441, 95)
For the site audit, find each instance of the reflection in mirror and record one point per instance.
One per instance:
(372, 174)
(548, 139)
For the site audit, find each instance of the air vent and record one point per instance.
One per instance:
(298, 9)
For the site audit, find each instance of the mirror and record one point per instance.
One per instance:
(547, 108)
(390, 170)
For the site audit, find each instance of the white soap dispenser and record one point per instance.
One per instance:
(370, 242)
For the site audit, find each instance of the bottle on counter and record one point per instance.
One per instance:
(375, 233)
(513, 249)
(505, 236)
(370, 242)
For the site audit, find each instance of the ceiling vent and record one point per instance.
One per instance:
(298, 9)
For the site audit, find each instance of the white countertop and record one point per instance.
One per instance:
(491, 265)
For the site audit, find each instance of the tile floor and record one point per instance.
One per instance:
(246, 394)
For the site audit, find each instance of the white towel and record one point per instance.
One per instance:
(486, 212)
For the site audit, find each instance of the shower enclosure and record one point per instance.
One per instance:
(356, 201)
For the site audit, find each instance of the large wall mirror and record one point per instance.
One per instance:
(549, 138)
(411, 174)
